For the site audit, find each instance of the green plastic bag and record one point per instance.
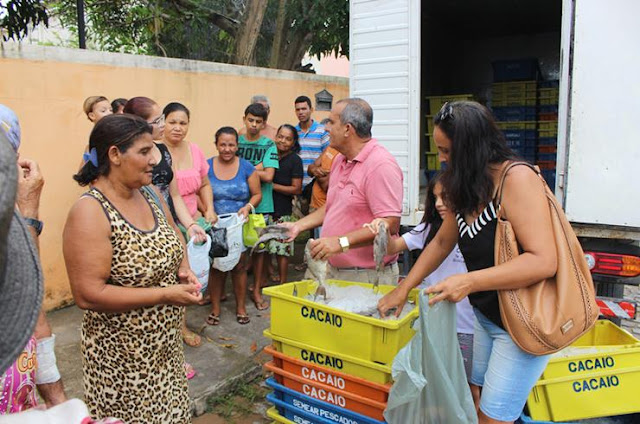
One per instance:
(430, 382)
(249, 229)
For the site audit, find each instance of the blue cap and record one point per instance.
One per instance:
(10, 126)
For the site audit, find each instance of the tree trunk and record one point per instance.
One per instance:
(277, 38)
(294, 52)
(249, 31)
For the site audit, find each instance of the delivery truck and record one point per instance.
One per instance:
(409, 56)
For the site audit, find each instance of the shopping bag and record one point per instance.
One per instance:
(430, 384)
(249, 230)
(199, 263)
(233, 224)
(219, 247)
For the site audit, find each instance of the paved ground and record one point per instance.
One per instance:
(230, 352)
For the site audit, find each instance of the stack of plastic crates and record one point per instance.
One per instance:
(514, 106)
(548, 130)
(435, 104)
(330, 365)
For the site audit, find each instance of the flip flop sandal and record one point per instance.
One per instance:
(261, 306)
(191, 339)
(213, 319)
(243, 319)
(189, 371)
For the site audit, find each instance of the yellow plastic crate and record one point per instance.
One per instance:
(548, 125)
(436, 102)
(277, 418)
(548, 133)
(371, 371)
(429, 124)
(305, 321)
(515, 87)
(433, 163)
(598, 376)
(513, 101)
(517, 125)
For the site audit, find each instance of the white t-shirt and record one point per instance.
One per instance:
(453, 264)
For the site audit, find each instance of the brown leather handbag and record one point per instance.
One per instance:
(551, 314)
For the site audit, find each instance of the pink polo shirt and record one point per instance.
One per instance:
(367, 187)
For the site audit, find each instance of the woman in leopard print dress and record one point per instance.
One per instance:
(127, 269)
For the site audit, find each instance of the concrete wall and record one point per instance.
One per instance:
(46, 87)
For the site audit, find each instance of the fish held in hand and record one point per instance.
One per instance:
(380, 246)
(270, 232)
(318, 270)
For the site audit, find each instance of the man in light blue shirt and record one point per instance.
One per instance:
(314, 138)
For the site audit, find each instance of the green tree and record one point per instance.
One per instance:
(247, 32)
(17, 16)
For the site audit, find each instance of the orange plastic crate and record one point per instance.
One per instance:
(329, 394)
(337, 379)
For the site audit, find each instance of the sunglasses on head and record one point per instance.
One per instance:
(446, 112)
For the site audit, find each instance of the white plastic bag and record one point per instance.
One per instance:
(199, 263)
(233, 223)
(430, 381)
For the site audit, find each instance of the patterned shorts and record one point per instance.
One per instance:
(277, 247)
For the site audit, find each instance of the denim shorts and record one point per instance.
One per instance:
(505, 372)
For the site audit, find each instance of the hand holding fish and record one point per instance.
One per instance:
(325, 247)
(374, 225)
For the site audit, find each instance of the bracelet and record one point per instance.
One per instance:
(192, 224)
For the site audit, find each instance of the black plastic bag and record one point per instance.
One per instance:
(219, 247)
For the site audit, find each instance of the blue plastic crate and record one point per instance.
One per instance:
(525, 152)
(548, 109)
(549, 176)
(292, 404)
(529, 135)
(547, 156)
(547, 141)
(515, 70)
(515, 113)
(549, 84)
(515, 143)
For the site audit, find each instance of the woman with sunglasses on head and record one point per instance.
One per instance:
(163, 178)
(477, 157)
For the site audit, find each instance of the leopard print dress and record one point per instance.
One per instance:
(133, 362)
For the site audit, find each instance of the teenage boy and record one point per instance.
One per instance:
(263, 154)
(313, 136)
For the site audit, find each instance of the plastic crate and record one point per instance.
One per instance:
(332, 395)
(432, 144)
(291, 404)
(436, 102)
(548, 133)
(546, 164)
(528, 153)
(547, 148)
(548, 109)
(548, 126)
(514, 101)
(371, 371)
(374, 391)
(549, 116)
(548, 101)
(520, 136)
(518, 125)
(528, 88)
(433, 163)
(597, 376)
(547, 141)
(546, 157)
(549, 176)
(367, 338)
(549, 84)
(515, 113)
(516, 70)
(429, 124)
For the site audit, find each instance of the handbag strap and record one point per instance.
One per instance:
(253, 210)
(497, 200)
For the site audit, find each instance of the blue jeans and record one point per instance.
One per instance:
(505, 372)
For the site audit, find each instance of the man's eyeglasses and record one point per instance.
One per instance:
(158, 121)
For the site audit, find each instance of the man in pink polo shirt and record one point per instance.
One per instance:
(366, 183)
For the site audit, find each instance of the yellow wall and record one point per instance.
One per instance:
(46, 88)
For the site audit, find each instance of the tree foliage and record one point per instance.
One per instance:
(213, 29)
(16, 16)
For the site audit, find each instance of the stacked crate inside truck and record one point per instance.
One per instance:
(514, 101)
(330, 365)
(435, 104)
(547, 130)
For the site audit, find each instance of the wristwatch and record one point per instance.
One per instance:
(344, 243)
(35, 223)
